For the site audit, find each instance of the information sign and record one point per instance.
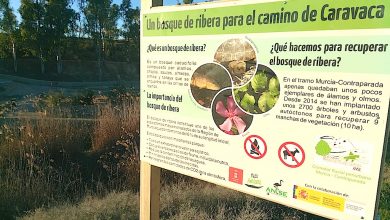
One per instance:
(289, 95)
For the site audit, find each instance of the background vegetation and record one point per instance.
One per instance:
(59, 39)
(66, 148)
(75, 155)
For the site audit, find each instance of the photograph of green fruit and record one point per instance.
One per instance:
(261, 93)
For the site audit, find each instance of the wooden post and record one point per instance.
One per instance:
(149, 192)
(151, 3)
(157, 3)
(150, 175)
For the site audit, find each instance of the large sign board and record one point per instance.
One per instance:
(284, 100)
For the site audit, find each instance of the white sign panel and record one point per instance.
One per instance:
(286, 101)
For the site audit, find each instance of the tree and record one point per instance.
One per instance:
(101, 18)
(78, 25)
(9, 24)
(111, 30)
(188, 1)
(32, 28)
(131, 26)
(58, 20)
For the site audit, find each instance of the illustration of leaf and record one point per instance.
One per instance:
(259, 82)
(248, 102)
(274, 86)
(322, 148)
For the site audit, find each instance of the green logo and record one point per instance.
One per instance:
(276, 191)
(254, 181)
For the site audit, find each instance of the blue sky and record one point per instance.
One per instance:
(136, 3)
(16, 3)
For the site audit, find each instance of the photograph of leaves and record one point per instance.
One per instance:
(261, 93)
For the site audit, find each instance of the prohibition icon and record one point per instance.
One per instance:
(291, 154)
(255, 147)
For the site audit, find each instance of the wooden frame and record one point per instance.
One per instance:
(149, 192)
(149, 174)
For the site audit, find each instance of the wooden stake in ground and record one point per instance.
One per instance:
(149, 192)
(150, 175)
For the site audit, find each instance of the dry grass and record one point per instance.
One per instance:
(386, 173)
(384, 205)
(179, 201)
(47, 160)
(114, 121)
(116, 140)
(200, 200)
(33, 157)
(122, 205)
